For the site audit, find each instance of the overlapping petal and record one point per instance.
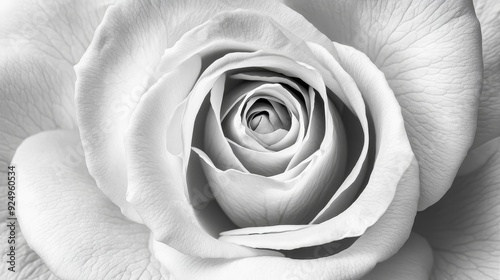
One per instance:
(379, 242)
(174, 121)
(124, 60)
(178, 141)
(283, 42)
(39, 41)
(156, 189)
(463, 227)
(413, 261)
(37, 81)
(127, 70)
(393, 155)
(233, 185)
(488, 126)
(428, 51)
(65, 218)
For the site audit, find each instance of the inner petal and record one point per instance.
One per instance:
(261, 123)
(265, 117)
(275, 104)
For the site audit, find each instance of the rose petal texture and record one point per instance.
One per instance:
(428, 51)
(463, 228)
(91, 241)
(488, 126)
(413, 261)
(40, 41)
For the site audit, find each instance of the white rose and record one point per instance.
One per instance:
(235, 140)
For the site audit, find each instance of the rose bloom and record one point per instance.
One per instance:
(250, 139)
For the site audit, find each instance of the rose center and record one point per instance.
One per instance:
(263, 117)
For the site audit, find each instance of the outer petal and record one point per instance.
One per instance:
(412, 262)
(379, 242)
(463, 228)
(430, 53)
(77, 231)
(488, 126)
(39, 43)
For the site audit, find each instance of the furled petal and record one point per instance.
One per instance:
(215, 141)
(279, 41)
(488, 126)
(463, 227)
(236, 122)
(156, 181)
(307, 97)
(267, 100)
(274, 113)
(39, 42)
(276, 78)
(68, 222)
(275, 63)
(354, 98)
(265, 155)
(430, 54)
(393, 155)
(121, 64)
(218, 147)
(319, 184)
(379, 242)
(412, 262)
